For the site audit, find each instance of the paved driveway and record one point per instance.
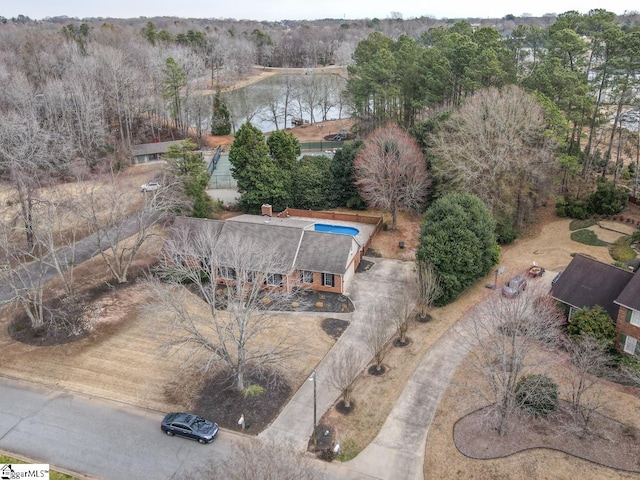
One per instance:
(378, 286)
(398, 449)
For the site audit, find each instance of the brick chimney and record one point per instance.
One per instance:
(267, 210)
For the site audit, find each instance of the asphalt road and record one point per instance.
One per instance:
(40, 272)
(97, 437)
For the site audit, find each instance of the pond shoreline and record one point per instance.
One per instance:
(259, 74)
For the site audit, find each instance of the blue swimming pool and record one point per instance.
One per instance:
(340, 229)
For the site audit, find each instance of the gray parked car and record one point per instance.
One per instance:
(514, 286)
(189, 426)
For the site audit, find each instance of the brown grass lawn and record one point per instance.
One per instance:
(123, 358)
(549, 245)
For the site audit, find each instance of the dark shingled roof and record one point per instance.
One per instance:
(297, 247)
(587, 282)
(324, 252)
(630, 296)
(284, 240)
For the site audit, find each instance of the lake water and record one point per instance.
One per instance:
(312, 98)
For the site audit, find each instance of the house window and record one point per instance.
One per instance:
(630, 345)
(206, 266)
(635, 318)
(227, 272)
(327, 280)
(249, 276)
(273, 279)
(306, 276)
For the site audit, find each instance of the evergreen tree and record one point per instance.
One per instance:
(457, 238)
(342, 190)
(174, 79)
(220, 120)
(311, 180)
(258, 177)
(189, 168)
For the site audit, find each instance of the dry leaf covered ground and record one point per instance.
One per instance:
(549, 244)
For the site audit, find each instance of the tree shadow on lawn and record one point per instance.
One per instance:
(215, 398)
(611, 443)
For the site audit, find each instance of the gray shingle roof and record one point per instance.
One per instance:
(324, 252)
(630, 296)
(152, 148)
(587, 282)
(284, 240)
(297, 247)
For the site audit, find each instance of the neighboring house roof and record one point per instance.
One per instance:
(630, 296)
(298, 247)
(587, 282)
(152, 148)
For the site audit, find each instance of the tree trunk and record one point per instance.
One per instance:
(26, 204)
(614, 127)
(241, 369)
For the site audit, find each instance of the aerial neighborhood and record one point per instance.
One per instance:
(377, 248)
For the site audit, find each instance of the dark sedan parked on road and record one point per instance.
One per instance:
(190, 426)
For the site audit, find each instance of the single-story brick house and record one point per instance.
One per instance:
(587, 282)
(317, 260)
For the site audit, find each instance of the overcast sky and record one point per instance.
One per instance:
(299, 9)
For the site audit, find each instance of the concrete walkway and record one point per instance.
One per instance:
(398, 449)
(369, 290)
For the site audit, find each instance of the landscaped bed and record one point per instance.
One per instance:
(461, 445)
(611, 443)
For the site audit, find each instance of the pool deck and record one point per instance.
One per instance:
(365, 230)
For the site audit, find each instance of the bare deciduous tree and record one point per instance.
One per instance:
(428, 287)
(391, 172)
(377, 336)
(57, 234)
(122, 88)
(589, 358)
(258, 461)
(496, 147)
(26, 283)
(29, 164)
(503, 334)
(343, 373)
(403, 308)
(119, 226)
(230, 322)
(53, 255)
